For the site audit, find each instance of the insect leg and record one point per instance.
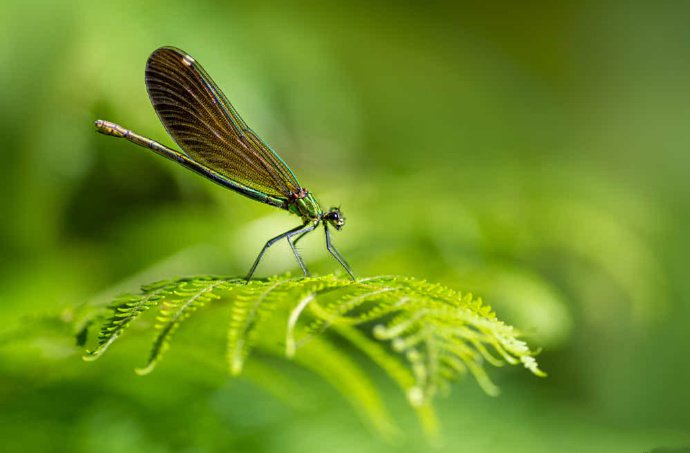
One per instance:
(300, 237)
(287, 234)
(294, 250)
(336, 254)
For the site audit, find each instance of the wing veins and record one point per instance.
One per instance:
(240, 144)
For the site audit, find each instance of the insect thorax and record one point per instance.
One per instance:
(305, 205)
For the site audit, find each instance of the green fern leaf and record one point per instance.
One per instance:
(422, 335)
(252, 304)
(125, 309)
(189, 296)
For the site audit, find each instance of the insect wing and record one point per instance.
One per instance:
(201, 120)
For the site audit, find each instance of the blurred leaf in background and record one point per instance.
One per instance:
(534, 153)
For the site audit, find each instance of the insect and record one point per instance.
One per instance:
(218, 144)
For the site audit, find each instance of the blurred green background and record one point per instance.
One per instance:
(532, 153)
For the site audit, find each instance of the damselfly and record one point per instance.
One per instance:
(218, 144)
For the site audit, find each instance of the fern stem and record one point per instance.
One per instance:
(292, 322)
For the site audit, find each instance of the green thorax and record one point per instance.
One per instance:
(306, 207)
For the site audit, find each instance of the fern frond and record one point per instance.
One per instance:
(422, 335)
(188, 297)
(252, 304)
(125, 309)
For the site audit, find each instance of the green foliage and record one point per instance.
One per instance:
(421, 335)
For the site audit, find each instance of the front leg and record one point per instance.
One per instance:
(336, 254)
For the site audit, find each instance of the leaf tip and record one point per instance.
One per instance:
(90, 356)
(145, 370)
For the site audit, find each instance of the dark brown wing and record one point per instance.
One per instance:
(201, 120)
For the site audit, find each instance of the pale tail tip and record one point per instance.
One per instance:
(101, 126)
(108, 128)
